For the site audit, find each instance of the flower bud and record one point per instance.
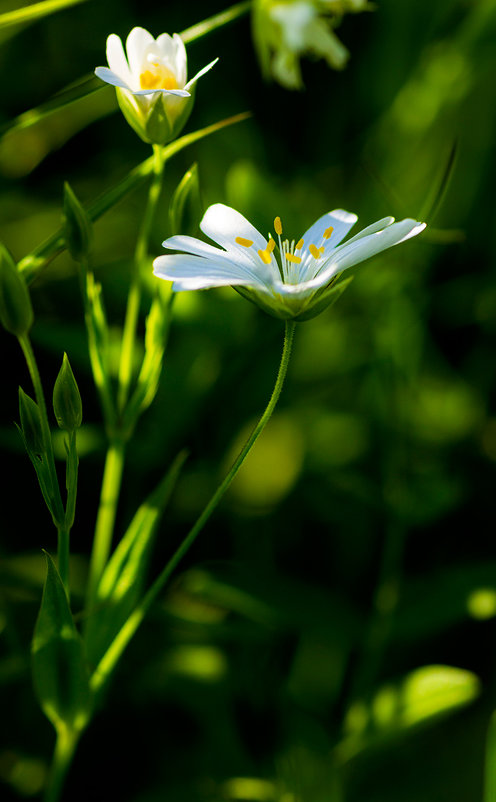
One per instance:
(77, 225)
(67, 403)
(31, 424)
(16, 312)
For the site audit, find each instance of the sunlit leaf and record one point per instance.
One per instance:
(121, 584)
(35, 11)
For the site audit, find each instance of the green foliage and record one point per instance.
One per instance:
(59, 666)
(16, 311)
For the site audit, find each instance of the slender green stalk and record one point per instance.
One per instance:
(216, 21)
(65, 747)
(134, 297)
(58, 508)
(111, 485)
(111, 657)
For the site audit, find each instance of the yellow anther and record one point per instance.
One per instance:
(292, 258)
(265, 257)
(278, 226)
(271, 245)
(321, 250)
(328, 232)
(299, 245)
(246, 243)
(158, 77)
(314, 251)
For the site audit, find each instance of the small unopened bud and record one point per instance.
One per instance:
(16, 312)
(31, 424)
(78, 230)
(67, 403)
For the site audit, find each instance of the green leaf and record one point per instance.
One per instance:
(58, 661)
(16, 311)
(122, 581)
(157, 327)
(187, 191)
(35, 11)
(31, 264)
(78, 230)
(420, 698)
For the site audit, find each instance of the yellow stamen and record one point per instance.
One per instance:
(328, 232)
(271, 245)
(278, 226)
(321, 250)
(246, 243)
(158, 77)
(299, 244)
(292, 258)
(314, 251)
(265, 257)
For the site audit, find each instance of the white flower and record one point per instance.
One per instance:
(151, 83)
(286, 30)
(288, 279)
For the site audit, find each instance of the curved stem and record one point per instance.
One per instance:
(134, 297)
(112, 655)
(65, 746)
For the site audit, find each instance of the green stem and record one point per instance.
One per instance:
(58, 509)
(134, 297)
(63, 550)
(111, 484)
(65, 747)
(216, 21)
(112, 655)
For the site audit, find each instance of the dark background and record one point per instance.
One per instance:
(357, 544)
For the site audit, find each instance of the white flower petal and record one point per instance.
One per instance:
(116, 58)
(136, 44)
(173, 55)
(176, 92)
(223, 224)
(364, 247)
(338, 219)
(111, 78)
(191, 245)
(202, 72)
(196, 272)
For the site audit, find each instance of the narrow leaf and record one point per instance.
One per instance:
(122, 582)
(35, 11)
(58, 662)
(187, 191)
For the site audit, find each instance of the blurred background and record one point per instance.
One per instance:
(331, 635)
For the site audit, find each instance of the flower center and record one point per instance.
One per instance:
(290, 253)
(157, 76)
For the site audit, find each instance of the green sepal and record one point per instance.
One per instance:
(67, 404)
(32, 436)
(121, 585)
(78, 230)
(287, 308)
(31, 429)
(186, 192)
(327, 299)
(16, 311)
(158, 128)
(131, 112)
(60, 673)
